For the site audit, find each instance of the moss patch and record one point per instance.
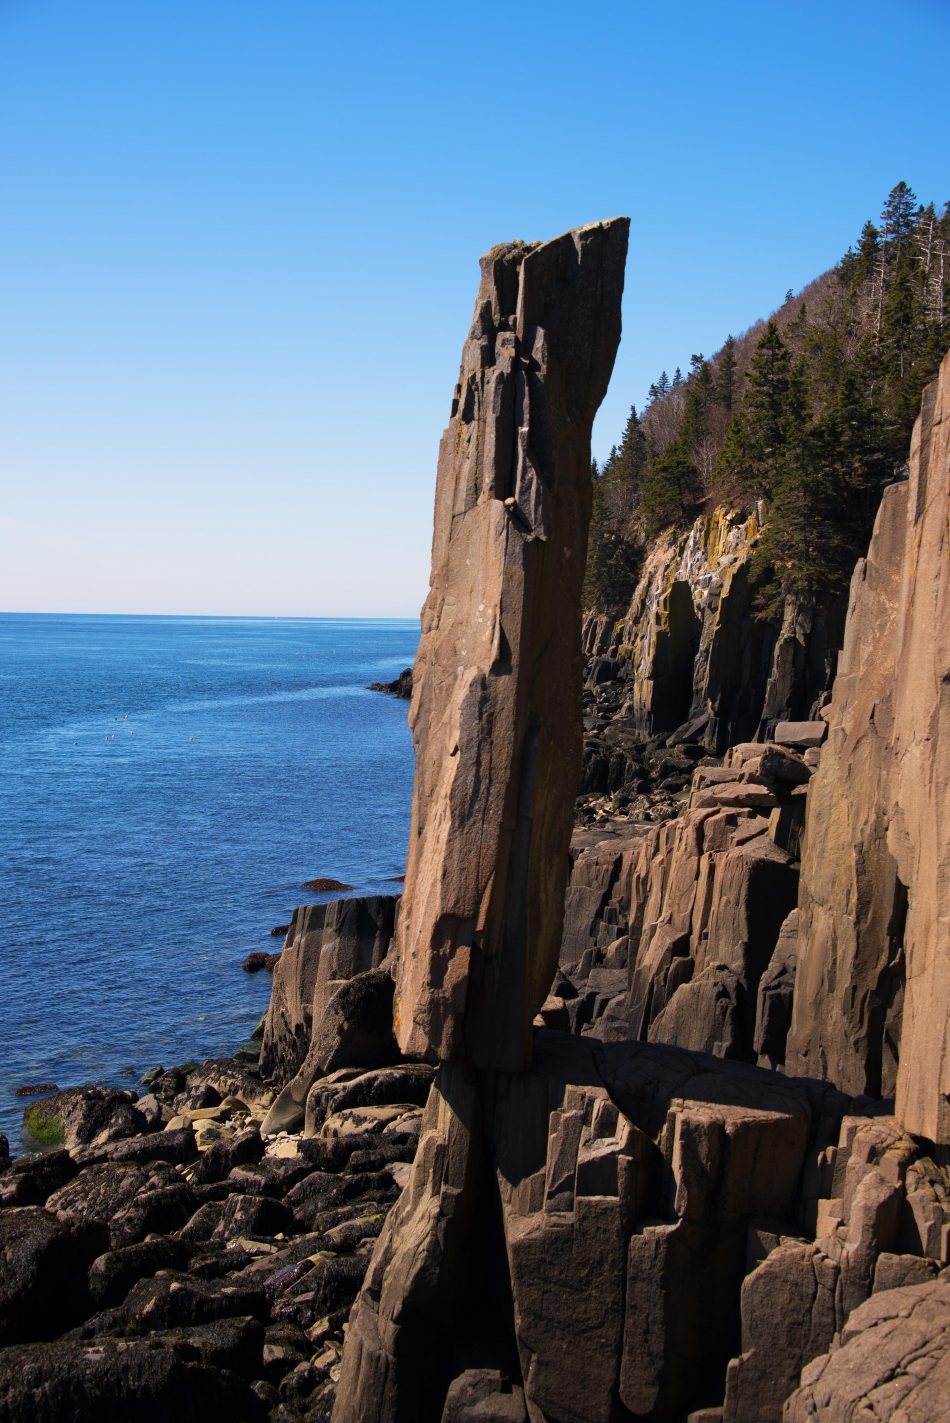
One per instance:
(42, 1129)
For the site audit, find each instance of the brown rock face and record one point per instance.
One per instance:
(496, 686)
(326, 945)
(875, 893)
(893, 1361)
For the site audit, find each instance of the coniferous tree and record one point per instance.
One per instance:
(726, 374)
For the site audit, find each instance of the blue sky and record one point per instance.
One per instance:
(239, 252)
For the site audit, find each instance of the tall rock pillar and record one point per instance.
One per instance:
(496, 690)
(496, 720)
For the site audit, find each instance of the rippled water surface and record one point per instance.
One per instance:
(167, 786)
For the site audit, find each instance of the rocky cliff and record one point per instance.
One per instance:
(875, 902)
(696, 661)
(642, 1223)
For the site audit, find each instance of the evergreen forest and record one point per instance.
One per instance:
(810, 412)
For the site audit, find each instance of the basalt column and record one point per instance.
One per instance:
(497, 726)
(496, 690)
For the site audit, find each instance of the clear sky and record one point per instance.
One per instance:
(239, 243)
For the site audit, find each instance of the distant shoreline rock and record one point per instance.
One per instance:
(401, 687)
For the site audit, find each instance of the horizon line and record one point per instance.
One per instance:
(236, 617)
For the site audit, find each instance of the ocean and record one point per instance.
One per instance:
(168, 785)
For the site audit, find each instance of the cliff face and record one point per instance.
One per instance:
(874, 975)
(617, 1212)
(697, 661)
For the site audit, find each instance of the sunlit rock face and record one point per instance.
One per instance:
(496, 699)
(875, 895)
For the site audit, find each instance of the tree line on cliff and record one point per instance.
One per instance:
(810, 412)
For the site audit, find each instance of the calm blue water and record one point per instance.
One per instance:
(167, 786)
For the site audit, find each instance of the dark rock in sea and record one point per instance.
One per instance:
(326, 886)
(279, 930)
(258, 960)
(401, 687)
(90, 1113)
(36, 1089)
(4, 1152)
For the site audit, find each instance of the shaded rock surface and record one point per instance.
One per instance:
(690, 657)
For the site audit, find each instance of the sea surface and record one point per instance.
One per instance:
(167, 786)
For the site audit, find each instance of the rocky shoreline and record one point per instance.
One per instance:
(169, 1259)
(631, 1107)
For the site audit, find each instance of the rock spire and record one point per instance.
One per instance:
(496, 697)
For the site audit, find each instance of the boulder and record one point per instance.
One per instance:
(407, 1083)
(31, 1180)
(354, 1029)
(803, 735)
(484, 1396)
(189, 1375)
(892, 1361)
(43, 1272)
(92, 1114)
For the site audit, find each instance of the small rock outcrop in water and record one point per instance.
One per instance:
(495, 710)
(401, 686)
(258, 960)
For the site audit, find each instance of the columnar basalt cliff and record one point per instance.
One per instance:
(618, 1209)
(629, 1225)
(875, 904)
(496, 687)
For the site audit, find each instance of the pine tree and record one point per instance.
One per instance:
(805, 550)
(749, 458)
(726, 374)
